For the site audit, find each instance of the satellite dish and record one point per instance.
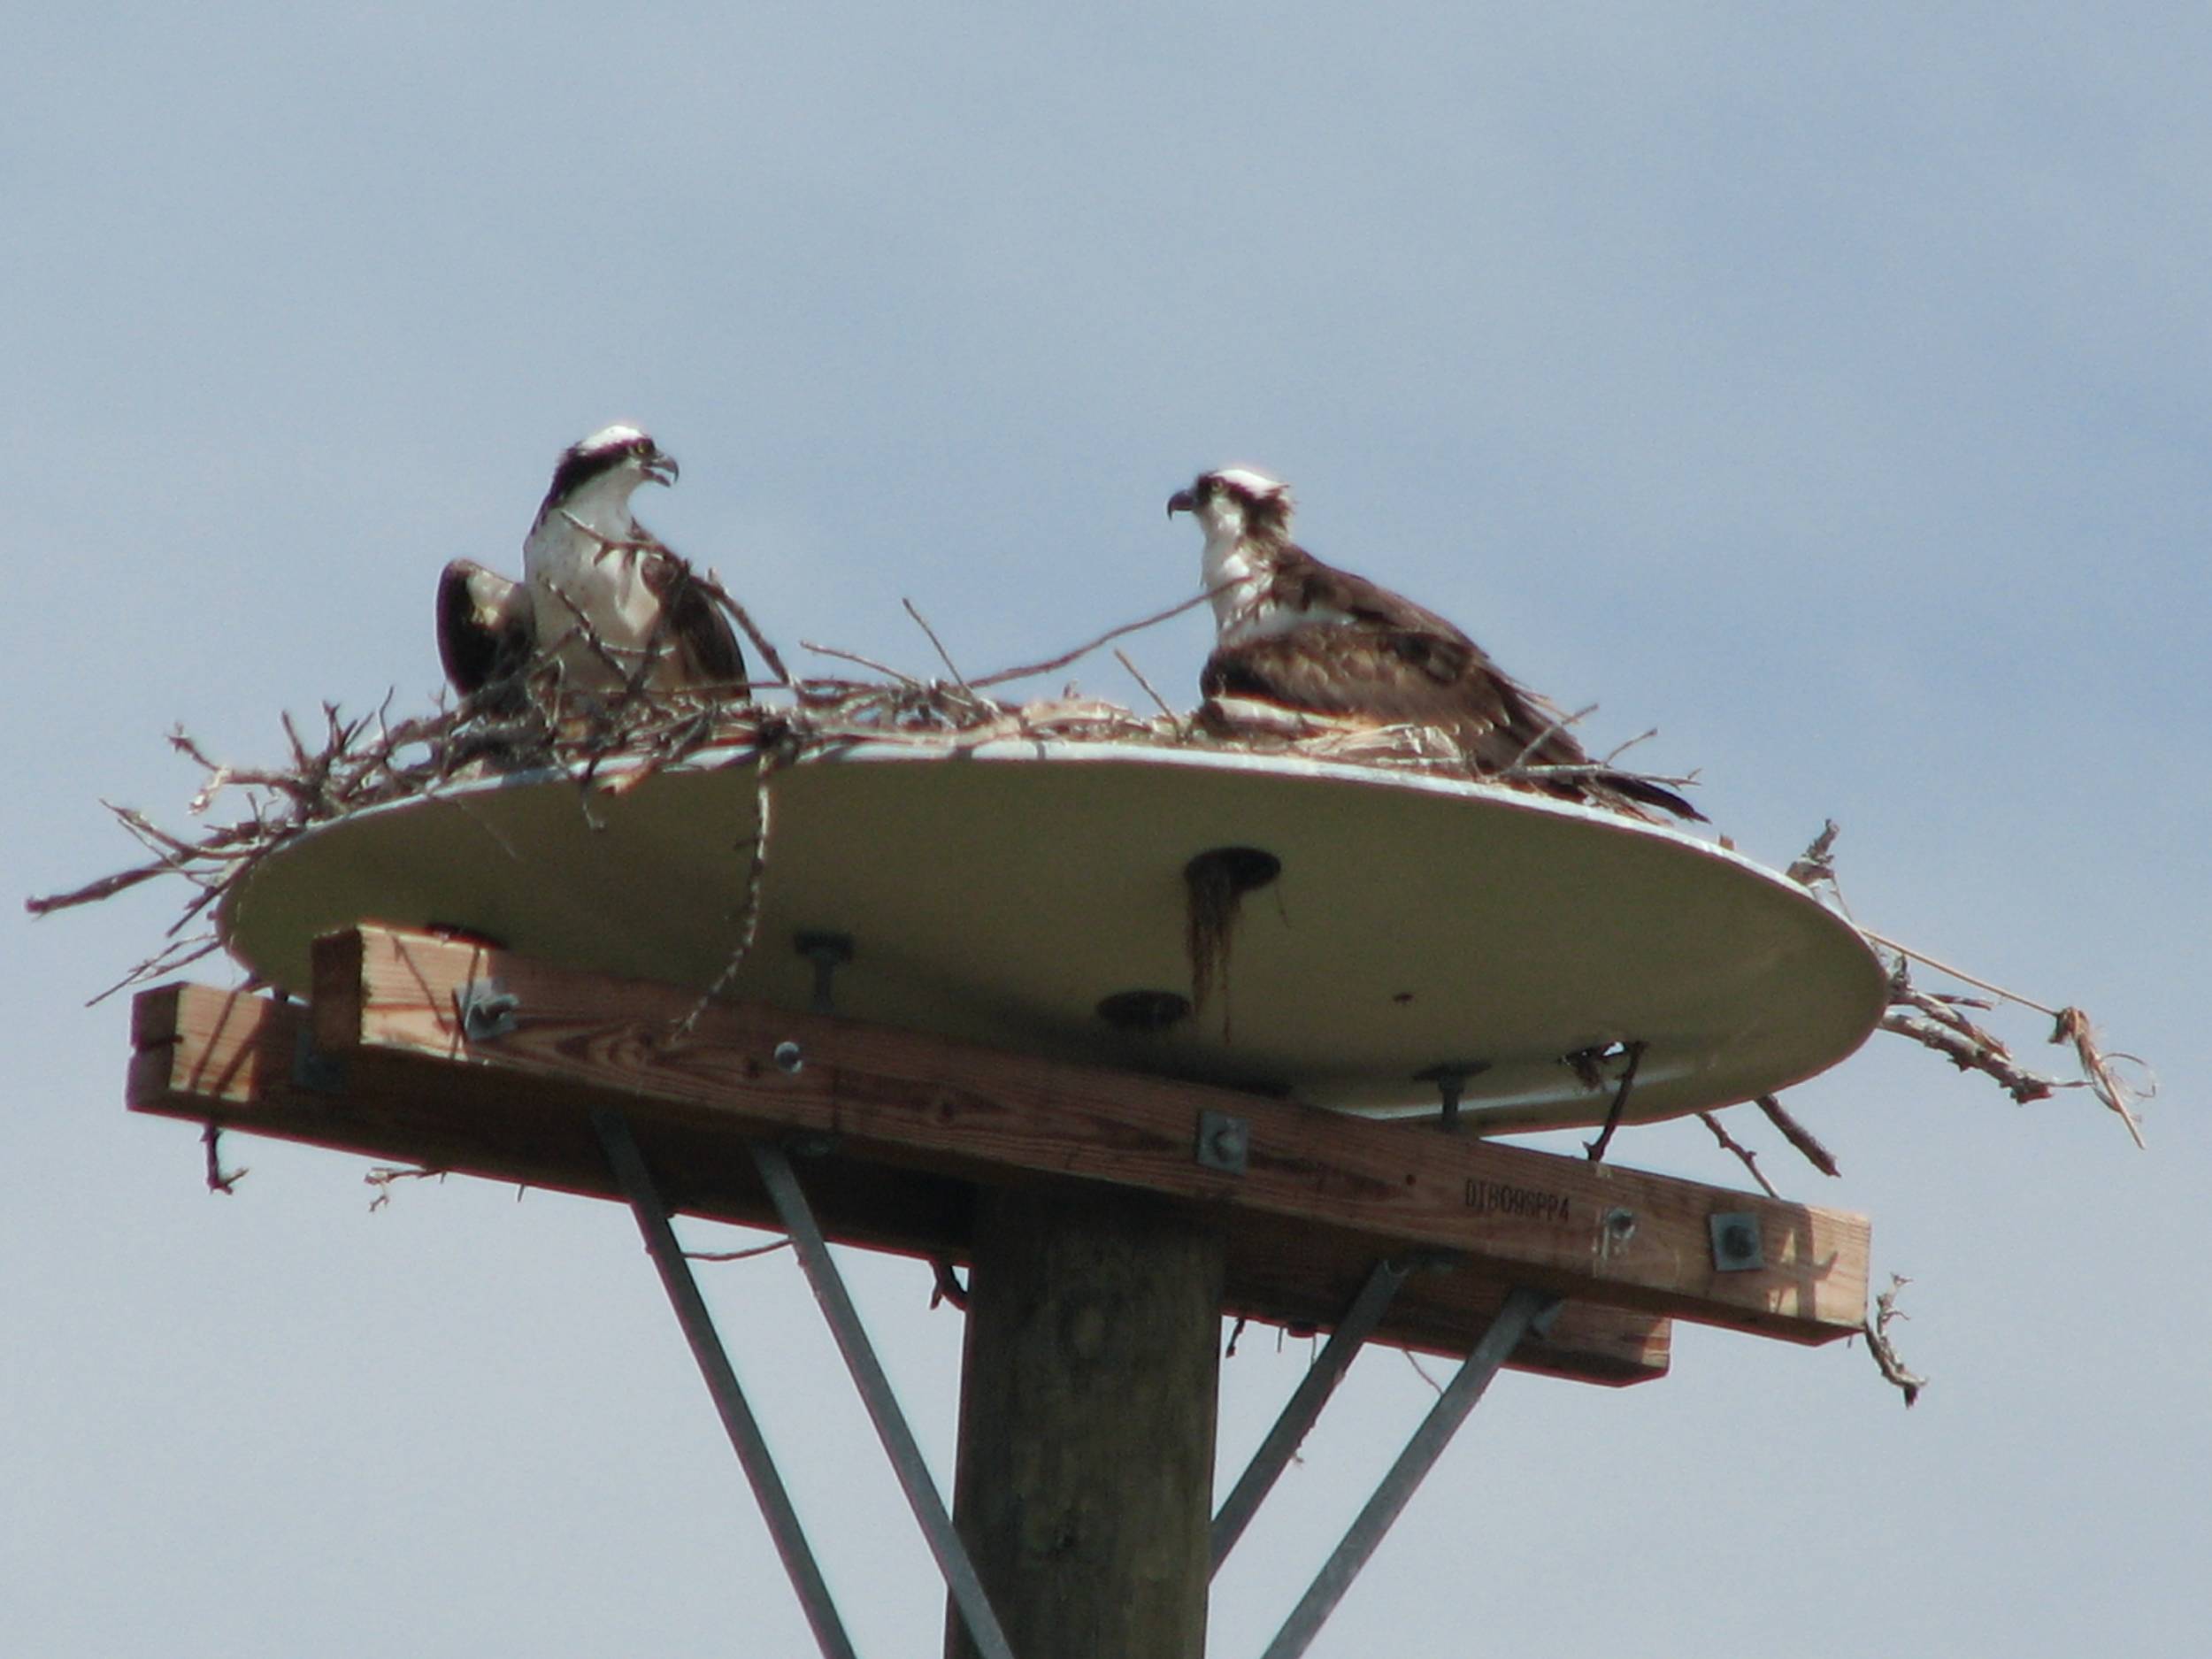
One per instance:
(1033, 896)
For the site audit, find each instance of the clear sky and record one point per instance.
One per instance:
(1828, 389)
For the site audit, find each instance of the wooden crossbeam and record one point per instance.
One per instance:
(918, 1121)
(234, 1059)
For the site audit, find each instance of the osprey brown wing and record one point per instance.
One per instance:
(700, 633)
(1389, 660)
(485, 635)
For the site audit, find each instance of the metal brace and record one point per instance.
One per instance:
(751, 1446)
(1524, 1311)
(486, 1009)
(1303, 1408)
(1224, 1142)
(828, 952)
(797, 1215)
(1450, 1077)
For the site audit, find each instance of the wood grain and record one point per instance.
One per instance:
(227, 1057)
(1590, 1232)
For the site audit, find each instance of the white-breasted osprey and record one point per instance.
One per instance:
(1301, 634)
(600, 597)
(605, 594)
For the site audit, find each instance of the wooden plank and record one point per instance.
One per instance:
(229, 1058)
(1588, 1232)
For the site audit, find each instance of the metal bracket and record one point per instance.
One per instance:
(312, 1068)
(1450, 1077)
(899, 1444)
(486, 1009)
(1525, 1310)
(1737, 1246)
(1224, 1142)
(828, 952)
(1303, 1408)
(729, 1396)
(744, 1430)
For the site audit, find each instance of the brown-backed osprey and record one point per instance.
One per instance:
(1301, 634)
(600, 597)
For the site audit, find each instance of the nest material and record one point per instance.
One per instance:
(610, 743)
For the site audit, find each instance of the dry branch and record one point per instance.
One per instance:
(1878, 1342)
(1744, 1153)
(1799, 1136)
(1936, 1020)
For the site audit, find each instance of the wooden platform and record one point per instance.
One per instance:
(902, 1128)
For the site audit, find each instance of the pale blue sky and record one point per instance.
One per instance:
(1829, 391)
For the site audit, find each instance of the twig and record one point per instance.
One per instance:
(854, 656)
(1122, 658)
(1957, 973)
(737, 1255)
(748, 905)
(1816, 865)
(1558, 725)
(385, 1176)
(1065, 657)
(1744, 1153)
(712, 588)
(1418, 1370)
(220, 1180)
(1799, 1136)
(943, 655)
(1878, 1343)
(1596, 1148)
(2073, 1026)
(1971, 1051)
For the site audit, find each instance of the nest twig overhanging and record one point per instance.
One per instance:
(1939, 1019)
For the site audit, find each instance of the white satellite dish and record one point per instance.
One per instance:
(1009, 893)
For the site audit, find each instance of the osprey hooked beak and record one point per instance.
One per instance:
(659, 465)
(1181, 501)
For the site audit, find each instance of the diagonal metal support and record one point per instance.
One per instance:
(1524, 1311)
(729, 1397)
(1304, 1406)
(883, 1406)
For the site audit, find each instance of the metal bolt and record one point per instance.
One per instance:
(488, 1010)
(828, 952)
(1737, 1246)
(789, 1057)
(1620, 1225)
(1224, 1142)
(1450, 1077)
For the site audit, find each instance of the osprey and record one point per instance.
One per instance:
(1299, 634)
(600, 597)
(608, 599)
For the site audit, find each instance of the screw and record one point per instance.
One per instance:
(789, 1057)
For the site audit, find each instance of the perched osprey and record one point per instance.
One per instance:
(604, 593)
(600, 597)
(1296, 632)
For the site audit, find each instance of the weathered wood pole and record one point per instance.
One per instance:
(1084, 1480)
